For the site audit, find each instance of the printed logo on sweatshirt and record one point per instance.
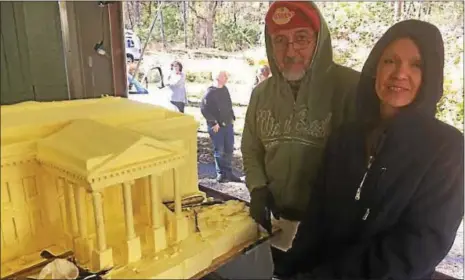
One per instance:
(296, 127)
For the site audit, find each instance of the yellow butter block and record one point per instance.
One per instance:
(91, 176)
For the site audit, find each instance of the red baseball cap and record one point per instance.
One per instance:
(289, 14)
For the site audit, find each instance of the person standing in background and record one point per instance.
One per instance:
(216, 107)
(262, 74)
(177, 85)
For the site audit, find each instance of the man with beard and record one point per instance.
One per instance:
(291, 115)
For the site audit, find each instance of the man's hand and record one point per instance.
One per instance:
(261, 204)
(215, 128)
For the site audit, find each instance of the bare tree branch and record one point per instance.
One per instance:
(195, 12)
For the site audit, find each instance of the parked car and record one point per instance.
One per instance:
(133, 46)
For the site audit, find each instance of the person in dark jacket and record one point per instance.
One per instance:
(216, 107)
(389, 198)
(291, 114)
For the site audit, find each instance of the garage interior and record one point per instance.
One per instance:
(48, 50)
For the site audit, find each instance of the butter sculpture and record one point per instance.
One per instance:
(94, 177)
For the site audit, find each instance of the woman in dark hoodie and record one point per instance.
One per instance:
(390, 195)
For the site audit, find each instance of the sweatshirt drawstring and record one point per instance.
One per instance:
(359, 190)
(367, 212)
(368, 168)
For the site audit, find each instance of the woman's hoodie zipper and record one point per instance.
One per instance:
(371, 160)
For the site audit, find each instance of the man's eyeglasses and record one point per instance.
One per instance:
(282, 42)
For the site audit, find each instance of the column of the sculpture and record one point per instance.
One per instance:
(133, 246)
(102, 257)
(181, 221)
(84, 244)
(70, 213)
(158, 224)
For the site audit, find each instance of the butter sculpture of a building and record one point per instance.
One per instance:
(92, 177)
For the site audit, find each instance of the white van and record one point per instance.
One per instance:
(133, 46)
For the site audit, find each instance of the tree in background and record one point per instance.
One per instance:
(354, 26)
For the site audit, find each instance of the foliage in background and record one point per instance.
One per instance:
(198, 77)
(354, 26)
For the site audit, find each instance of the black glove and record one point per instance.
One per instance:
(261, 206)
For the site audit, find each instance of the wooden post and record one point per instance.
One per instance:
(118, 55)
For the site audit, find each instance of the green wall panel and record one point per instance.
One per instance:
(32, 59)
